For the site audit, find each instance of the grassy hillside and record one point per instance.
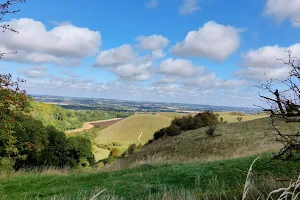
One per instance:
(233, 140)
(230, 117)
(216, 180)
(128, 130)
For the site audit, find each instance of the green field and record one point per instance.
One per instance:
(215, 180)
(128, 130)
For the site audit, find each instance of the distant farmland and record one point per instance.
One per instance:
(90, 125)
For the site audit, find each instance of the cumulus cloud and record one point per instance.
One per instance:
(264, 62)
(34, 72)
(179, 67)
(60, 23)
(127, 64)
(62, 45)
(155, 43)
(284, 9)
(213, 40)
(189, 7)
(152, 42)
(152, 4)
(136, 72)
(183, 71)
(116, 56)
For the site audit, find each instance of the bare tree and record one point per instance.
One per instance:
(5, 9)
(283, 96)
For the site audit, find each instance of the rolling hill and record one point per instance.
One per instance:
(189, 166)
(232, 140)
(134, 129)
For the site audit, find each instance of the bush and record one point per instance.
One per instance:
(186, 123)
(239, 119)
(80, 152)
(172, 130)
(211, 131)
(115, 152)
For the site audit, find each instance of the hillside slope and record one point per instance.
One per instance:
(134, 129)
(232, 140)
(188, 181)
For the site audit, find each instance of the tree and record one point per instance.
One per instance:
(283, 97)
(13, 102)
(5, 9)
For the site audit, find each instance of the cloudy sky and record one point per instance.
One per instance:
(192, 51)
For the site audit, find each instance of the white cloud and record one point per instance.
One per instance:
(179, 67)
(60, 23)
(137, 72)
(152, 4)
(184, 72)
(117, 56)
(62, 45)
(153, 42)
(189, 7)
(213, 40)
(264, 73)
(34, 72)
(284, 9)
(264, 62)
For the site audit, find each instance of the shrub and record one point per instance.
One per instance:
(186, 123)
(206, 118)
(115, 152)
(80, 152)
(239, 119)
(172, 130)
(131, 149)
(211, 131)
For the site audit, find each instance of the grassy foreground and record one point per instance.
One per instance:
(215, 180)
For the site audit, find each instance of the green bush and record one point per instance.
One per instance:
(186, 123)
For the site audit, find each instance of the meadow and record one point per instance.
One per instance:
(222, 179)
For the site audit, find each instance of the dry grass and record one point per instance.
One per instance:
(128, 130)
(230, 118)
(236, 140)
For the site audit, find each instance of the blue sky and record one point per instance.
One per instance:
(190, 51)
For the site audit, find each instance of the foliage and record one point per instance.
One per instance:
(172, 130)
(65, 119)
(13, 102)
(80, 150)
(211, 131)
(186, 123)
(115, 152)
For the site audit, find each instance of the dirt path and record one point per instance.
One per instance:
(90, 125)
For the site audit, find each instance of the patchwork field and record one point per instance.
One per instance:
(89, 125)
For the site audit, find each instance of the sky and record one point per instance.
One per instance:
(183, 51)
